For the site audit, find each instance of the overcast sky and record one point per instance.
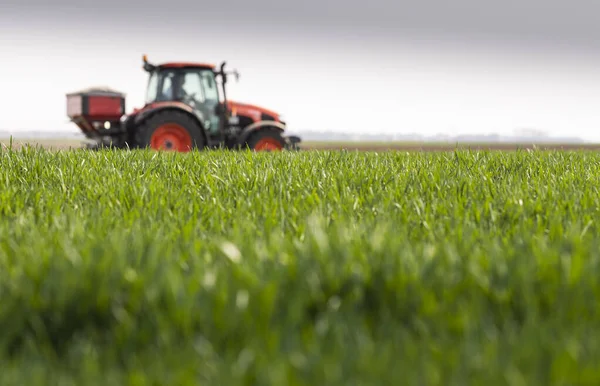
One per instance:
(462, 66)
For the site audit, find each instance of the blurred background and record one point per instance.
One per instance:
(429, 67)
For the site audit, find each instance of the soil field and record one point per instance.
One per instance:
(68, 144)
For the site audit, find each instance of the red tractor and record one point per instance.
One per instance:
(184, 110)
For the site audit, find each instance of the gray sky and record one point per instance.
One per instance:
(429, 66)
(570, 22)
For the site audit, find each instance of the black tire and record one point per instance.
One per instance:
(144, 132)
(260, 136)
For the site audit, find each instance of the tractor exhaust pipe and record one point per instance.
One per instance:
(224, 111)
(224, 81)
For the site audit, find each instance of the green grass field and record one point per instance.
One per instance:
(299, 268)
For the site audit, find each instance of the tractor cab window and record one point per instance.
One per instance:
(191, 88)
(210, 87)
(166, 88)
(152, 89)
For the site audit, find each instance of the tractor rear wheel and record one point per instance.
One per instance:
(267, 139)
(170, 131)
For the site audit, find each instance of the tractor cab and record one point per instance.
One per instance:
(189, 83)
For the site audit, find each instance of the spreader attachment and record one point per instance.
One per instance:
(95, 111)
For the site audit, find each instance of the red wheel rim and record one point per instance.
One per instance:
(268, 144)
(171, 137)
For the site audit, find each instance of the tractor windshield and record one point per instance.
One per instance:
(210, 87)
(189, 85)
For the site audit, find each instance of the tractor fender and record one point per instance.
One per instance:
(253, 127)
(154, 108)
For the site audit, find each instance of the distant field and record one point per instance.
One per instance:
(299, 268)
(428, 146)
(55, 144)
(62, 144)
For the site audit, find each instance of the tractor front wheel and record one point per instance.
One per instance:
(266, 140)
(170, 131)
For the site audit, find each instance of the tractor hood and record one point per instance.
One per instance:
(252, 111)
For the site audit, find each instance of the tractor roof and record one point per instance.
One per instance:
(187, 65)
